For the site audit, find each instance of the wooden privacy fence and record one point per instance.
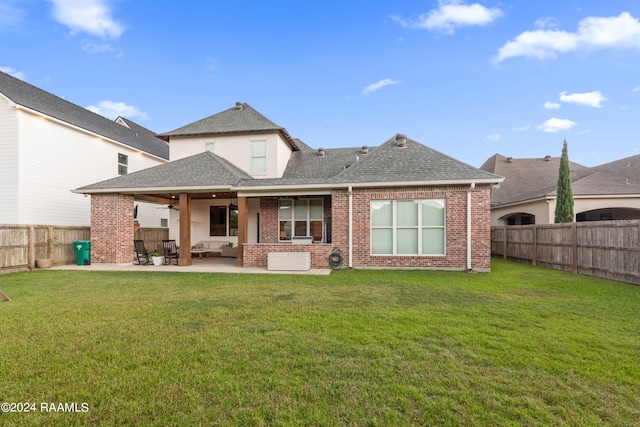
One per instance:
(21, 245)
(606, 249)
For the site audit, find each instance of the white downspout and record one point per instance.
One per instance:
(350, 227)
(471, 188)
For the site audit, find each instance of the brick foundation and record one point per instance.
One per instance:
(111, 229)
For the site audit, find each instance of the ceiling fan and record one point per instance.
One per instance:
(170, 207)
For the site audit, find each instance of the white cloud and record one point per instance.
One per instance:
(112, 109)
(88, 16)
(378, 85)
(555, 125)
(546, 22)
(551, 105)
(621, 31)
(90, 47)
(494, 137)
(592, 99)
(452, 14)
(15, 73)
(636, 89)
(521, 128)
(9, 14)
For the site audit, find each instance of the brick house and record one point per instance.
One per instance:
(238, 176)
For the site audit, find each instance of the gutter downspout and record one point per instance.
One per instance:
(350, 227)
(471, 188)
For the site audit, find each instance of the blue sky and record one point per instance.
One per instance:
(467, 78)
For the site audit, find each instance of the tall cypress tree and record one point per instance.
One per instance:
(564, 200)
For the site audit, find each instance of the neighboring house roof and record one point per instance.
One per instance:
(33, 98)
(533, 178)
(240, 119)
(629, 167)
(387, 164)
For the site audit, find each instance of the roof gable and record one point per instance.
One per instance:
(33, 98)
(242, 118)
(401, 159)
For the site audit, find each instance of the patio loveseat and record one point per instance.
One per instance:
(213, 247)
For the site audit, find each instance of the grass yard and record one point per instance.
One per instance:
(520, 346)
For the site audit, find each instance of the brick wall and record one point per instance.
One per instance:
(111, 229)
(456, 229)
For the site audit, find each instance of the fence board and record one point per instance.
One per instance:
(17, 249)
(606, 249)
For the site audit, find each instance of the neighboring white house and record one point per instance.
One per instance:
(49, 146)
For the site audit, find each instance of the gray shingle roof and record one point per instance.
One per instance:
(387, 163)
(383, 164)
(38, 100)
(629, 167)
(201, 170)
(242, 118)
(415, 162)
(527, 179)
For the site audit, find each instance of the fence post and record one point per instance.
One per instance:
(504, 242)
(574, 248)
(534, 255)
(32, 247)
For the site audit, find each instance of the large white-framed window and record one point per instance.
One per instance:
(300, 218)
(408, 227)
(259, 157)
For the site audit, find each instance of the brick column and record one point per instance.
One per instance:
(111, 228)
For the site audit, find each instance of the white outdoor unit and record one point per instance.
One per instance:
(289, 261)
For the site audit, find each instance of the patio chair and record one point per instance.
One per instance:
(170, 251)
(144, 258)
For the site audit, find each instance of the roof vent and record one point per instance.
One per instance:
(401, 140)
(547, 158)
(238, 105)
(509, 159)
(365, 149)
(321, 152)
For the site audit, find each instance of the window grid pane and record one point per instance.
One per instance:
(408, 227)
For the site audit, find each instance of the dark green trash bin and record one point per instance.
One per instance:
(83, 252)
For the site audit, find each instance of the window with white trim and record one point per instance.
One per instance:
(408, 227)
(300, 218)
(123, 162)
(259, 157)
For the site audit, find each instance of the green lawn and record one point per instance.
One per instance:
(519, 346)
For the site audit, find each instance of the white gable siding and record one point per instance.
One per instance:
(237, 150)
(56, 158)
(8, 163)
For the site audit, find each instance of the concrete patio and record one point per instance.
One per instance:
(200, 265)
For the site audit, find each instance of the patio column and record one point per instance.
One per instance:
(185, 229)
(243, 225)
